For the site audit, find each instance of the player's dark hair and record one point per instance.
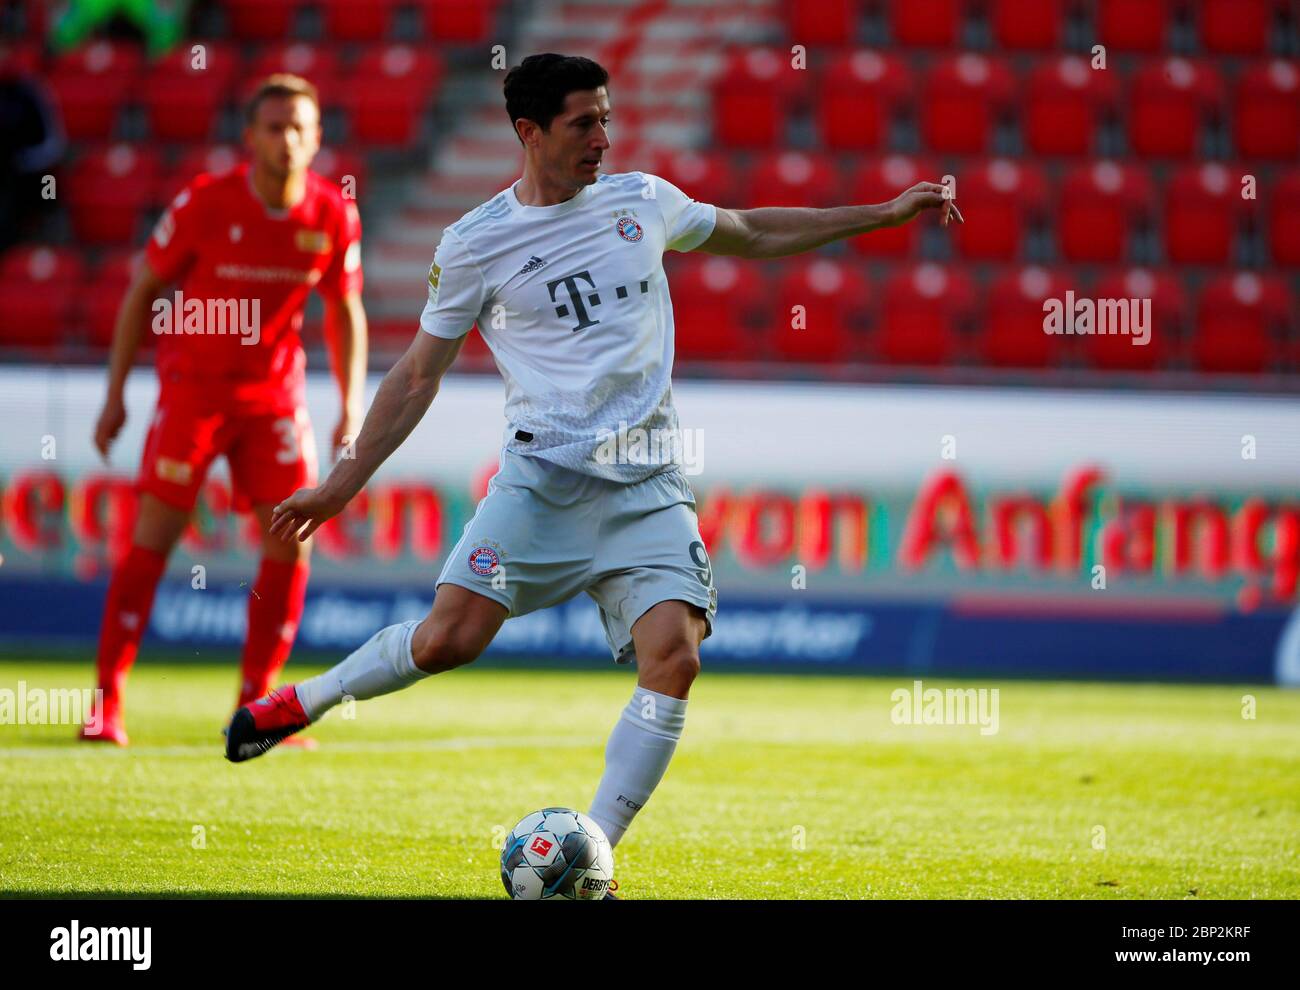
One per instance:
(280, 84)
(537, 86)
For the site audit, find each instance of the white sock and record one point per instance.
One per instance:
(381, 665)
(636, 757)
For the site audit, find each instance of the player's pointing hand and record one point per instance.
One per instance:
(924, 196)
(305, 507)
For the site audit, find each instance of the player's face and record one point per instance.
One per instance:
(285, 136)
(572, 149)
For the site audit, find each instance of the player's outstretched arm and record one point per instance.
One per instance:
(401, 402)
(773, 232)
(128, 331)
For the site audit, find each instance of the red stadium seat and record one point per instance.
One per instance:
(108, 191)
(963, 97)
(1063, 101)
(318, 64)
(1236, 319)
(926, 23)
(995, 197)
(1133, 25)
(1202, 208)
(827, 22)
(39, 263)
(1099, 205)
(261, 20)
(459, 21)
(39, 287)
(183, 92)
(833, 296)
(104, 296)
(750, 99)
(401, 63)
(1266, 111)
(920, 314)
(1234, 27)
(1168, 101)
(880, 181)
(1028, 24)
(338, 166)
(1013, 331)
(706, 177)
(858, 93)
(92, 84)
(389, 90)
(359, 20)
(714, 299)
(1283, 231)
(1168, 304)
(793, 178)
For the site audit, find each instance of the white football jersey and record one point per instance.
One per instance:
(573, 302)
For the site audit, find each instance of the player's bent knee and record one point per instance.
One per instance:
(676, 667)
(436, 647)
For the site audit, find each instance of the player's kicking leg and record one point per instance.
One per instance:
(126, 610)
(457, 629)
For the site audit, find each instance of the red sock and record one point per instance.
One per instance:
(274, 610)
(126, 613)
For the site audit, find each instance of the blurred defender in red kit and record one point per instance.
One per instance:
(242, 250)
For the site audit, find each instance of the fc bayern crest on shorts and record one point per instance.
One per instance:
(629, 229)
(484, 560)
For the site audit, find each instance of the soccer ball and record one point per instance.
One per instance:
(557, 854)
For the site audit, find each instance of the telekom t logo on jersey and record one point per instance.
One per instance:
(580, 298)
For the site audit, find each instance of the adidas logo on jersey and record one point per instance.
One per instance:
(534, 263)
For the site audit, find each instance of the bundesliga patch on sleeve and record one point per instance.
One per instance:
(312, 241)
(435, 274)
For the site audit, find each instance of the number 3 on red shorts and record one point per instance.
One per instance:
(290, 451)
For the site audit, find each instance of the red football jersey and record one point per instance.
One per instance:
(244, 271)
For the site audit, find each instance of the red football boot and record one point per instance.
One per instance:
(111, 727)
(264, 724)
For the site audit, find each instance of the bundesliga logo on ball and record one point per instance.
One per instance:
(557, 854)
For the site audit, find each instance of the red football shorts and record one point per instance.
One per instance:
(271, 455)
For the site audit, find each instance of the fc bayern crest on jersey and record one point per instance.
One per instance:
(629, 229)
(484, 560)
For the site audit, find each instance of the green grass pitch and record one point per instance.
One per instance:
(783, 787)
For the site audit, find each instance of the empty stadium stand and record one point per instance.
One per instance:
(1164, 164)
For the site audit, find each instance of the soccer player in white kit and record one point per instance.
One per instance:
(563, 274)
